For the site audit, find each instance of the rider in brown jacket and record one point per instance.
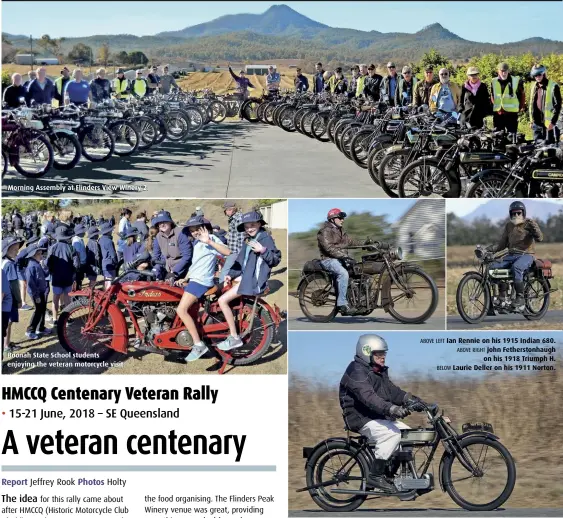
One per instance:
(519, 237)
(332, 241)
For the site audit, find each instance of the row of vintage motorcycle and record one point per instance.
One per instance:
(38, 138)
(409, 152)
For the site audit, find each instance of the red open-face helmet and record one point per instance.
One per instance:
(335, 213)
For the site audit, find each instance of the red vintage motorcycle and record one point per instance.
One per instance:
(94, 325)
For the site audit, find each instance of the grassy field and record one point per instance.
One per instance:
(274, 362)
(524, 410)
(460, 260)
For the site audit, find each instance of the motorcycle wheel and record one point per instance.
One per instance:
(421, 299)
(317, 294)
(256, 343)
(494, 186)
(537, 296)
(147, 131)
(473, 493)
(260, 111)
(177, 125)
(286, 119)
(217, 111)
(346, 138)
(390, 169)
(4, 163)
(69, 329)
(469, 288)
(37, 160)
(67, 150)
(162, 131)
(319, 128)
(195, 118)
(423, 177)
(375, 156)
(97, 148)
(335, 455)
(359, 147)
(249, 110)
(127, 138)
(307, 123)
(269, 114)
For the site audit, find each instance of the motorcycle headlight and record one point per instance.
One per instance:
(396, 253)
(479, 253)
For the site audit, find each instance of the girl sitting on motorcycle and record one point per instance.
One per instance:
(250, 272)
(201, 277)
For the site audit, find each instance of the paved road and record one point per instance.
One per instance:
(551, 317)
(232, 159)
(399, 513)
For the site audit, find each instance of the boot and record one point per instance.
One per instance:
(519, 302)
(502, 297)
(377, 478)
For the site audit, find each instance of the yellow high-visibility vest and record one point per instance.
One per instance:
(120, 87)
(503, 100)
(333, 83)
(547, 102)
(140, 87)
(360, 85)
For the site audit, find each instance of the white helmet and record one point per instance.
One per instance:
(368, 344)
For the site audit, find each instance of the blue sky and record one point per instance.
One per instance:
(325, 355)
(496, 22)
(305, 214)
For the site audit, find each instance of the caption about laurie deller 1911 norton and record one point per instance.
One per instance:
(499, 354)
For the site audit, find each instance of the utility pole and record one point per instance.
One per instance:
(31, 51)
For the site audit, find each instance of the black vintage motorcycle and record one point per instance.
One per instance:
(476, 470)
(478, 293)
(379, 280)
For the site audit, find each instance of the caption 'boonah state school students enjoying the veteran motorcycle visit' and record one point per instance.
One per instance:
(191, 257)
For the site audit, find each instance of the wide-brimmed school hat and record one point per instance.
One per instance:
(79, 229)
(33, 249)
(132, 232)
(250, 217)
(106, 228)
(32, 240)
(93, 232)
(229, 204)
(63, 233)
(162, 217)
(8, 242)
(199, 221)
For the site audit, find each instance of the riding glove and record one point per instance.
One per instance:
(398, 412)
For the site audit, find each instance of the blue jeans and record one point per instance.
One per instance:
(229, 261)
(519, 263)
(541, 133)
(335, 267)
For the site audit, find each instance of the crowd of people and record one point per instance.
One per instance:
(73, 88)
(193, 256)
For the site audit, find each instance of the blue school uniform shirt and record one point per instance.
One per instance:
(204, 261)
(7, 300)
(93, 257)
(35, 277)
(108, 255)
(9, 266)
(61, 264)
(131, 251)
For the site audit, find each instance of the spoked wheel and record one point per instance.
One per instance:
(177, 126)
(67, 150)
(256, 343)
(307, 123)
(492, 480)
(375, 156)
(35, 157)
(249, 111)
(414, 296)
(390, 170)
(335, 466)
(319, 128)
(494, 186)
(472, 298)
(286, 119)
(423, 178)
(127, 138)
(359, 147)
(148, 132)
(195, 118)
(317, 298)
(93, 346)
(537, 296)
(97, 144)
(217, 111)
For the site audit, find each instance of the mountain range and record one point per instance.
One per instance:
(496, 210)
(283, 33)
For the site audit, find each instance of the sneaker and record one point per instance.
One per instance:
(197, 352)
(31, 336)
(26, 307)
(232, 342)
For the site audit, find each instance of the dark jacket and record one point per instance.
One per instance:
(38, 94)
(318, 82)
(93, 258)
(366, 395)
(520, 238)
(101, 89)
(62, 262)
(537, 115)
(108, 256)
(258, 266)
(131, 251)
(175, 250)
(474, 108)
(403, 86)
(35, 277)
(372, 87)
(301, 83)
(386, 89)
(17, 221)
(332, 241)
(142, 227)
(12, 95)
(422, 92)
(243, 83)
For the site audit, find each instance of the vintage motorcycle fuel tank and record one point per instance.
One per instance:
(151, 291)
(418, 435)
(484, 157)
(549, 175)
